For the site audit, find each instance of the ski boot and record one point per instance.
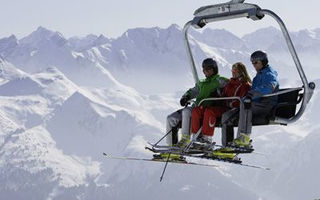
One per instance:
(203, 143)
(242, 144)
(185, 140)
(242, 141)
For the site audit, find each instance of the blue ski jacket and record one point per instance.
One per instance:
(266, 82)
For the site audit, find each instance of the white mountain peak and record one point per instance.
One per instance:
(174, 27)
(305, 33)
(87, 42)
(42, 36)
(101, 36)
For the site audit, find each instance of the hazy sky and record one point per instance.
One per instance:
(113, 17)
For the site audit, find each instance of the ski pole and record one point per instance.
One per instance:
(194, 138)
(162, 138)
(165, 167)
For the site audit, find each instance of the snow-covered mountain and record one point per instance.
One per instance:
(65, 101)
(148, 52)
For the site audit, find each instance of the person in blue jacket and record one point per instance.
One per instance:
(265, 82)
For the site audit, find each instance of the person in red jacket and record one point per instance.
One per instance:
(238, 85)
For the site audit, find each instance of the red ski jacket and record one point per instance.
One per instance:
(235, 88)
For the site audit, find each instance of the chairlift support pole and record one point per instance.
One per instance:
(238, 9)
(189, 52)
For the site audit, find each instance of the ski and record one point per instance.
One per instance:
(197, 147)
(237, 150)
(203, 155)
(185, 162)
(163, 146)
(175, 151)
(236, 162)
(158, 160)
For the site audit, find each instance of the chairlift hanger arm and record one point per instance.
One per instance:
(225, 11)
(207, 14)
(309, 87)
(189, 52)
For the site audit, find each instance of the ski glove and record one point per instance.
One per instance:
(249, 95)
(252, 94)
(184, 100)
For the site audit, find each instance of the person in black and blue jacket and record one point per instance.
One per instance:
(265, 82)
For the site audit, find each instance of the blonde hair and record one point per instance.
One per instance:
(242, 71)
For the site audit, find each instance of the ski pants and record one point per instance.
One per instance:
(182, 116)
(227, 118)
(208, 116)
(245, 116)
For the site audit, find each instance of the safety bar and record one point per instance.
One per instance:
(219, 98)
(277, 119)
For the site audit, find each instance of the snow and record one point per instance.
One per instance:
(20, 87)
(65, 101)
(30, 161)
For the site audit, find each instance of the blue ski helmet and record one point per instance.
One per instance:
(259, 56)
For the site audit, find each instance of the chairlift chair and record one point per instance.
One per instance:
(288, 98)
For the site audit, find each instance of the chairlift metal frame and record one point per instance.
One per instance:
(238, 9)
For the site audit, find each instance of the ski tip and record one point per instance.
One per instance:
(104, 154)
(264, 168)
(150, 143)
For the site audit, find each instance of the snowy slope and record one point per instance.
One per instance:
(180, 182)
(51, 101)
(298, 171)
(28, 99)
(33, 168)
(299, 179)
(91, 125)
(29, 158)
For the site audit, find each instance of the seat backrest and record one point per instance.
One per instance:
(285, 108)
(287, 104)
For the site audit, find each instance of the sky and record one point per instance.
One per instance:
(113, 17)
